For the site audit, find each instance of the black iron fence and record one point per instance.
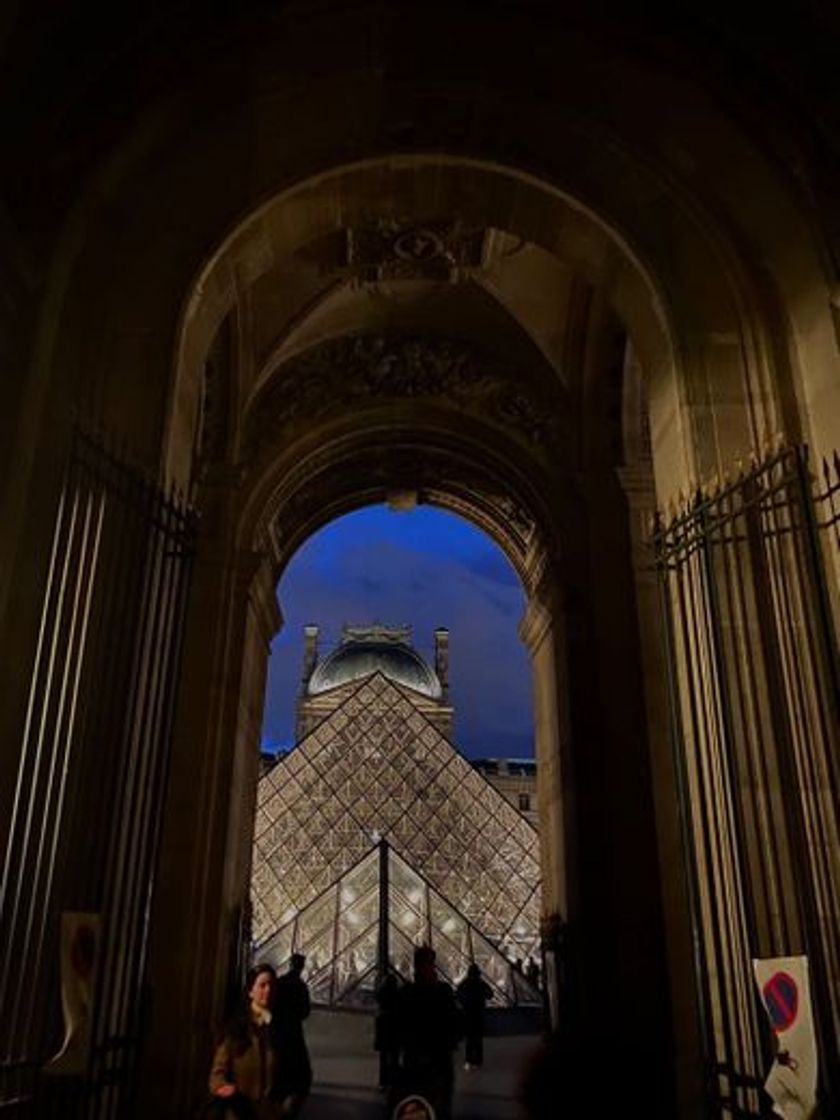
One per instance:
(91, 780)
(746, 571)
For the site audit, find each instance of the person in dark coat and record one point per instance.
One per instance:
(532, 974)
(386, 1038)
(293, 1079)
(429, 1029)
(473, 995)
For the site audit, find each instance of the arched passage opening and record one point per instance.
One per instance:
(437, 420)
(451, 347)
(535, 377)
(433, 760)
(375, 465)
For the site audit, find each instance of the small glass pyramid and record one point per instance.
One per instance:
(372, 918)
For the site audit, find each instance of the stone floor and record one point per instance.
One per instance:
(345, 1068)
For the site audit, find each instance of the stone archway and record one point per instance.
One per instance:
(347, 402)
(258, 421)
(350, 421)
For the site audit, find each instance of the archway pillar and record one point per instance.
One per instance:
(542, 631)
(616, 932)
(200, 912)
(638, 485)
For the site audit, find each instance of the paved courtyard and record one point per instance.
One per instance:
(345, 1067)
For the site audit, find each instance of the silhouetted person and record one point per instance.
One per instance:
(293, 1079)
(386, 1038)
(532, 974)
(473, 995)
(429, 1028)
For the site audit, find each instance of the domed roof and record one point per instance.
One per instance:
(367, 650)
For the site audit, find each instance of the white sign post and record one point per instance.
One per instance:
(786, 995)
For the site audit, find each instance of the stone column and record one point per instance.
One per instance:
(638, 485)
(542, 631)
(201, 894)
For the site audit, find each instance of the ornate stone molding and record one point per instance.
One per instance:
(639, 488)
(386, 249)
(537, 622)
(348, 372)
(263, 596)
(319, 488)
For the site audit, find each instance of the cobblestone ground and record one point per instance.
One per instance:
(346, 1067)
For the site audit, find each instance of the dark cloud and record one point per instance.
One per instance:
(429, 570)
(493, 565)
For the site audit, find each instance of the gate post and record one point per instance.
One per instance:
(209, 812)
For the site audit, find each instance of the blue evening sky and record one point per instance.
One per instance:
(426, 568)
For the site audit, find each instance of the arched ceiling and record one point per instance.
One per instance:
(479, 320)
(448, 255)
(212, 164)
(512, 294)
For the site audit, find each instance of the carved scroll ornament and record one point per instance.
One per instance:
(340, 373)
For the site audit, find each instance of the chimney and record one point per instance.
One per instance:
(310, 652)
(442, 661)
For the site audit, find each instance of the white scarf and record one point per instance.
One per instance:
(261, 1016)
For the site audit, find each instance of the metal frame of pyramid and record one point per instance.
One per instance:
(376, 768)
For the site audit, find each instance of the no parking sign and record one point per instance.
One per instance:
(786, 995)
(781, 998)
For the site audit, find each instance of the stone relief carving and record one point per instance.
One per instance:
(386, 249)
(337, 373)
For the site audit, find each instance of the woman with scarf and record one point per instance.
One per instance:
(243, 1070)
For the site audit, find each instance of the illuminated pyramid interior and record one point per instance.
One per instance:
(340, 932)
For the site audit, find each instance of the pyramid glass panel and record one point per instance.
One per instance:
(463, 864)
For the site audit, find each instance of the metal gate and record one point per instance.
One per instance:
(91, 778)
(755, 702)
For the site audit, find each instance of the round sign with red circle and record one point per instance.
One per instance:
(781, 998)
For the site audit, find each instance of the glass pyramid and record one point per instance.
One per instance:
(376, 768)
(341, 935)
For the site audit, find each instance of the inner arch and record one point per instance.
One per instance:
(410, 191)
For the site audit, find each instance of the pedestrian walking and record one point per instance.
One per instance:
(293, 1078)
(245, 1058)
(474, 993)
(429, 1030)
(532, 974)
